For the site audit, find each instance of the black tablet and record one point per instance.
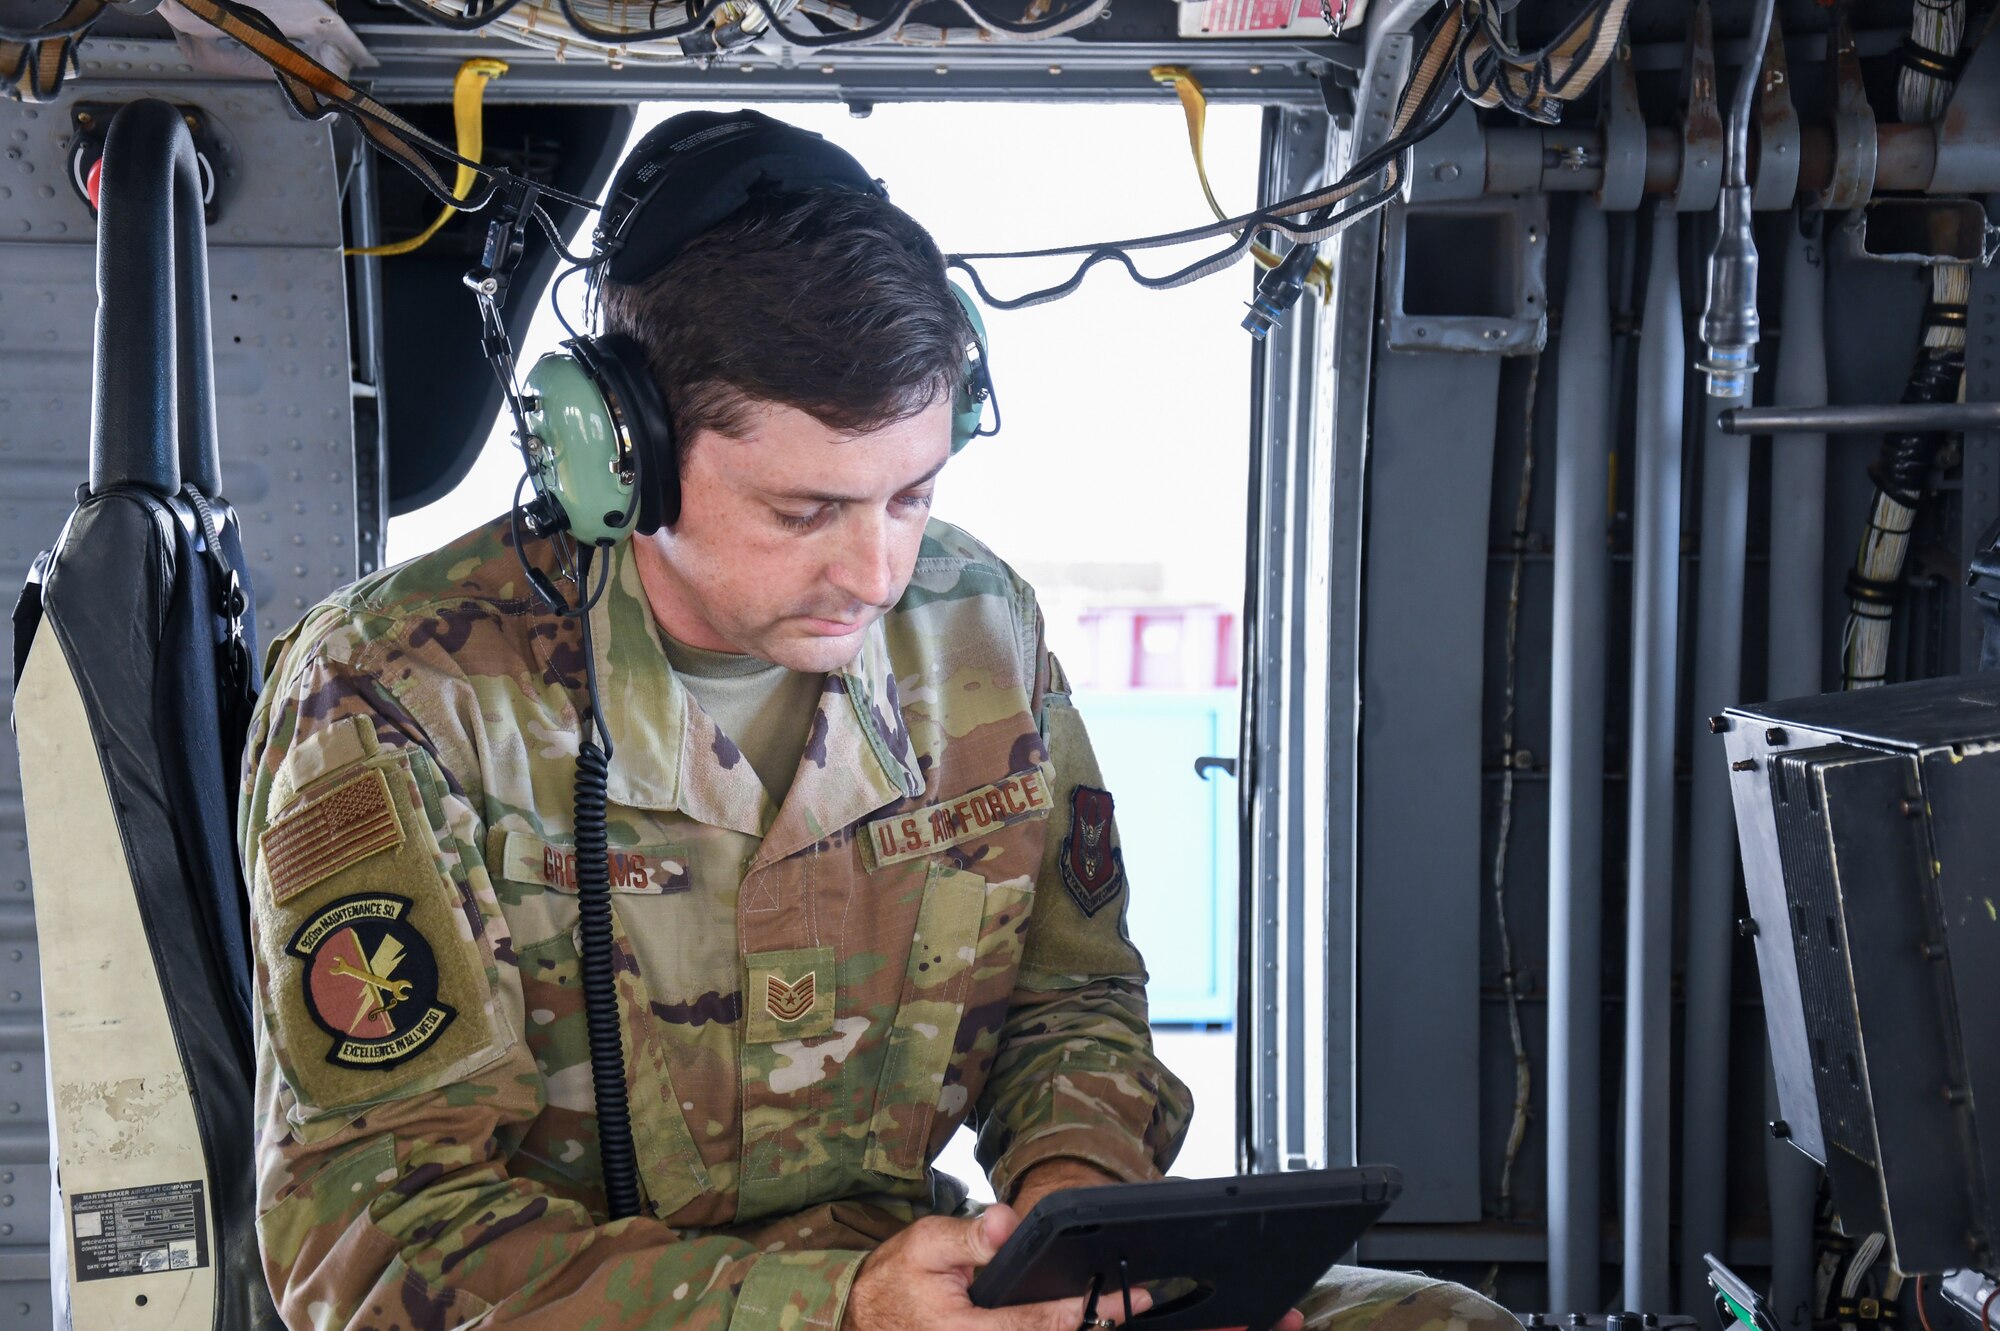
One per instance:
(1238, 1252)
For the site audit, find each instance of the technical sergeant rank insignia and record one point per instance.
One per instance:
(371, 981)
(790, 1001)
(1092, 868)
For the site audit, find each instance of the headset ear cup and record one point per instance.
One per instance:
(975, 382)
(620, 365)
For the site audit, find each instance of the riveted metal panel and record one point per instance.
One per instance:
(284, 420)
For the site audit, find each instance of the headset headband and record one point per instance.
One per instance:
(717, 162)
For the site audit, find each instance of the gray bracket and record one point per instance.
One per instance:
(1969, 132)
(1700, 185)
(1853, 127)
(1624, 187)
(1500, 307)
(1777, 180)
(1451, 164)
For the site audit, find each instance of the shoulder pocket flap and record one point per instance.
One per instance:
(377, 982)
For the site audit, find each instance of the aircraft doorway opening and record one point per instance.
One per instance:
(1116, 486)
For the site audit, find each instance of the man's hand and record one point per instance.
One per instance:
(917, 1281)
(1054, 1176)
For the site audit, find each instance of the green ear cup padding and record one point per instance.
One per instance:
(577, 453)
(968, 401)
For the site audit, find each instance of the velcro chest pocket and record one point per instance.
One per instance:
(964, 954)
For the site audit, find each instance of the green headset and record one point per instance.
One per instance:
(600, 446)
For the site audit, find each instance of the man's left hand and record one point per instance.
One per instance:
(1055, 1175)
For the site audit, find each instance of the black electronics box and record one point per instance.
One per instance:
(1870, 829)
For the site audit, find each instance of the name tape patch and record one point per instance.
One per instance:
(650, 870)
(925, 831)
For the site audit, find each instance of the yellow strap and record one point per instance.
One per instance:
(1194, 103)
(468, 98)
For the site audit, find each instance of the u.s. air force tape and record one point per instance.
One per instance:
(926, 831)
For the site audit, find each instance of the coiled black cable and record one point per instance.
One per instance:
(617, 1156)
(615, 1152)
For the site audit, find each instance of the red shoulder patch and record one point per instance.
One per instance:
(1092, 868)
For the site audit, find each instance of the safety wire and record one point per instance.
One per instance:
(1510, 760)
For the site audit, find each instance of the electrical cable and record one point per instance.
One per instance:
(697, 17)
(1923, 1313)
(1901, 473)
(1930, 59)
(1859, 1263)
(1321, 222)
(315, 91)
(617, 1155)
(1986, 1309)
(1736, 163)
(476, 14)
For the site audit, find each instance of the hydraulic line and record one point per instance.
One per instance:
(1649, 911)
(1582, 577)
(1797, 631)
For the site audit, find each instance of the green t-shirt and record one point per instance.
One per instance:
(765, 709)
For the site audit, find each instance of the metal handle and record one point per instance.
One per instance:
(153, 390)
(1203, 766)
(1901, 417)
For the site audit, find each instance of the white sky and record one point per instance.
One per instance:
(1126, 410)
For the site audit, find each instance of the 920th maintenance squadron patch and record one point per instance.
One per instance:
(1092, 868)
(371, 981)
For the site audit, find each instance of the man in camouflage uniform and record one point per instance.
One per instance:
(820, 980)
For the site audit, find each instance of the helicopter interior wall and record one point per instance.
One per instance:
(297, 541)
(284, 418)
(1418, 962)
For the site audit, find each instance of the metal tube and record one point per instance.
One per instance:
(1650, 811)
(1576, 764)
(1798, 480)
(371, 432)
(1712, 859)
(1883, 418)
(1796, 634)
(1570, 159)
(149, 233)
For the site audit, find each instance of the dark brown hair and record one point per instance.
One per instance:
(831, 302)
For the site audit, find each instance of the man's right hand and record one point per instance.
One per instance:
(918, 1281)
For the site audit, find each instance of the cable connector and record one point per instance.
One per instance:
(1729, 326)
(1279, 291)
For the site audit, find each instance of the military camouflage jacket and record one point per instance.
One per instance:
(814, 996)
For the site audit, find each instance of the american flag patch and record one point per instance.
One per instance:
(327, 833)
